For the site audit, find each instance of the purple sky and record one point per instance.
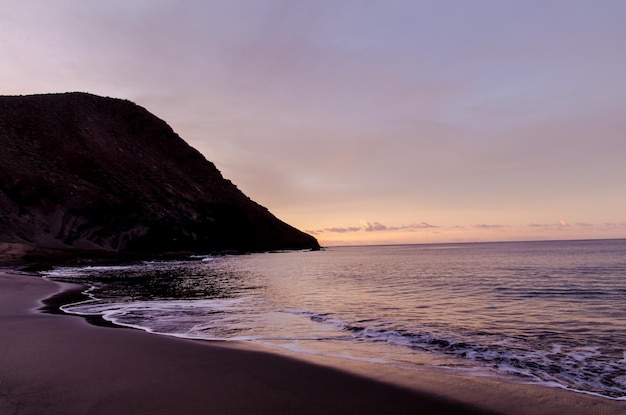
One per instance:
(366, 121)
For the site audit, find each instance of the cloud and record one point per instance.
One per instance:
(565, 224)
(343, 230)
(486, 226)
(560, 224)
(373, 227)
(421, 225)
(377, 226)
(335, 229)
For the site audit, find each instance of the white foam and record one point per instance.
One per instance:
(311, 316)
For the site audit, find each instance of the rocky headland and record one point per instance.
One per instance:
(87, 175)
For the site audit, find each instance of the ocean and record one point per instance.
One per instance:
(550, 312)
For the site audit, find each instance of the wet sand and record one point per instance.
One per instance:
(58, 364)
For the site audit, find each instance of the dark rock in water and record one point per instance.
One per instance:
(86, 173)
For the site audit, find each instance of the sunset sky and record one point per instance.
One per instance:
(366, 121)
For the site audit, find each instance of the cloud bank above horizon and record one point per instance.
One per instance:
(365, 121)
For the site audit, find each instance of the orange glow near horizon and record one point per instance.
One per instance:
(391, 122)
(362, 235)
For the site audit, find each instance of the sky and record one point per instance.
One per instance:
(366, 122)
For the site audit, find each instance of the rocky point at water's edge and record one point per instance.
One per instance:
(86, 174)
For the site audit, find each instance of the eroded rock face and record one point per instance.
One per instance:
(78, 171)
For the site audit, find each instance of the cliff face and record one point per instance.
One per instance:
(78, 171)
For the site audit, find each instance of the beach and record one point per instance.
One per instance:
(58, 364)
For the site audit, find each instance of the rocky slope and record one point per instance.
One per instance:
(82, 172)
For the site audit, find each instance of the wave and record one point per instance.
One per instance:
(579, 368)
(534, 315)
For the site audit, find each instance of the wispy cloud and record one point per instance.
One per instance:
(373, 227)
(377, 226)
(421, 225)
(367, 226)
(486, 226)
(343, 230)
(615, 224)
(560, 224)
(334, 230)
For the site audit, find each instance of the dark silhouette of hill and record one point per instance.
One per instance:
(83, 172)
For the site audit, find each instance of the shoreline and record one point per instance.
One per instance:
(54, 361)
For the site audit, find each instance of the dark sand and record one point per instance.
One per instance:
(56, 364)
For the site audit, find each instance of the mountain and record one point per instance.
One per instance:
(87, 173)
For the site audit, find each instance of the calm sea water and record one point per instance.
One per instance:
(546, 312)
